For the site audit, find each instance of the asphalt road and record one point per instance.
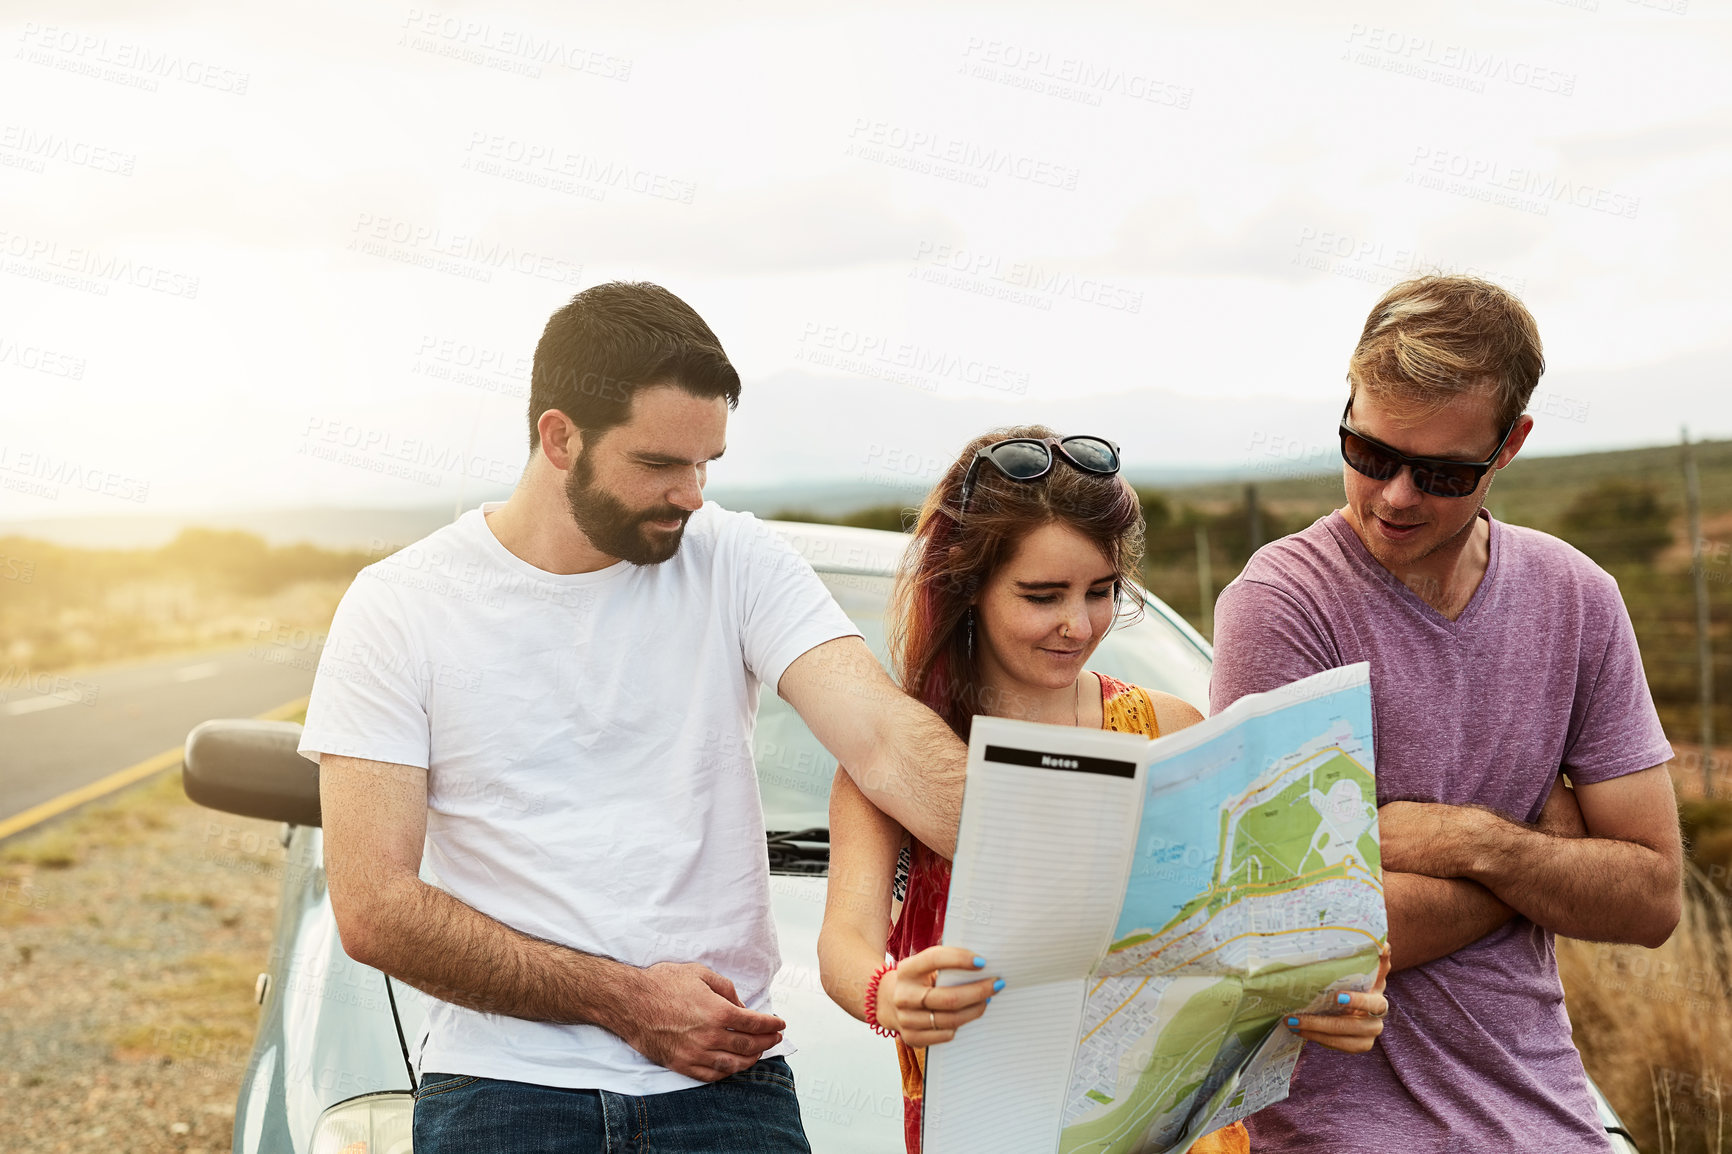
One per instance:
(61, 731)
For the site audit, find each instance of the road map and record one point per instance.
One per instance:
(1251, 889)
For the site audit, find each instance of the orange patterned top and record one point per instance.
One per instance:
(1125, 708)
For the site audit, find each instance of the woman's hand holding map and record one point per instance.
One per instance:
(1356, 1025)
(924, 1013)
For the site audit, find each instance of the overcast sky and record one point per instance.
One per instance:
(285, 255)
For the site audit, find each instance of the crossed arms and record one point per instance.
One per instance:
(682, 1016)
(1604, 862)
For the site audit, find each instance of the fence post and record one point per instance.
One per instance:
(1704, 651)
(1255, 513)
(1205, 584)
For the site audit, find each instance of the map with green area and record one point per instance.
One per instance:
(1256, 889)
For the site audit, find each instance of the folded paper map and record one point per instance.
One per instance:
(1156, 910)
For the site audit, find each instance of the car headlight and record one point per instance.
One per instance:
(370, 1124)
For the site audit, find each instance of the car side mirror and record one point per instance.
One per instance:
(250, 767)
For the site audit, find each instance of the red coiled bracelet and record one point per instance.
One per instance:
(872, 1000)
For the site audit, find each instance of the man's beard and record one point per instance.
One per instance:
(615, 529)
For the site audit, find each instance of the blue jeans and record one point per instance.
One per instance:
(752, 1111)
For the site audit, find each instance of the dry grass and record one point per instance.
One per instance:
(131, 933)
(195, 1000)
(1655, 1026)
(63, 607)
(35, 640)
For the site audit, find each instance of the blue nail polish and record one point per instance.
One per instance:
(979, 962)
(1293, 1023)
(1344, 999)
(998, 985)
(989, 1001)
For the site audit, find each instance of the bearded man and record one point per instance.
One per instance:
(554, 695)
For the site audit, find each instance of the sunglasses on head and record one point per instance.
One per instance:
(1031, 458)
(1437, 476)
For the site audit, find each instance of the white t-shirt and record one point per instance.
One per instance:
(588, 746)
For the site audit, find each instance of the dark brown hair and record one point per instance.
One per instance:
(615, 338)
(1434, 338)
(953, 555)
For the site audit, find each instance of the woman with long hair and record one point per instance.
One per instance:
(1024, 554)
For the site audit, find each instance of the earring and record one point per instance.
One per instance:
(971, 632)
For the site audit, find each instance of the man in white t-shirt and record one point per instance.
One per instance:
(554, 696)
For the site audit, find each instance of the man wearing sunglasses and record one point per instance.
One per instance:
(1502, 662)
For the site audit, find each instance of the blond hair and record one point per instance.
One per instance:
(1435, 338)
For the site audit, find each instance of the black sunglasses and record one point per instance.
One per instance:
(1030, 459)
(1438, 476)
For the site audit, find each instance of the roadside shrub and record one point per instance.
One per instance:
(1619, 522)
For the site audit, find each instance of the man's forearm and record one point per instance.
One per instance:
(1596, 888)
(915, 772)
(429, 939)
(899, 753)
(1432, 917)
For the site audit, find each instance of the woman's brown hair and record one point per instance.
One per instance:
(954, 553)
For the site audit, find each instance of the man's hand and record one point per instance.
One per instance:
(688, 1018)
(1562, 814)
(679, 1015)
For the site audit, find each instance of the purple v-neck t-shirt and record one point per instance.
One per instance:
(1539, 673)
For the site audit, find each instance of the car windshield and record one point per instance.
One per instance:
(794, 771)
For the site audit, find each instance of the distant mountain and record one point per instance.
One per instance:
(378, 529)
(832, 444)
(822, 428)
(837, 497)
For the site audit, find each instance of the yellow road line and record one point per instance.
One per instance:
(167, 759)
(1116, 1009)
